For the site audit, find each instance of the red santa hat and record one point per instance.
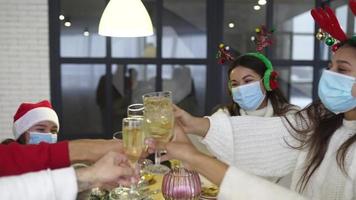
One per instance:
(28, 114)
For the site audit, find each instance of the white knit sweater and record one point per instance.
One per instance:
(59, 184)
(257, 145)
(264, 112)
(238, 184)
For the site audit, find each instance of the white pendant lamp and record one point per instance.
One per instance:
(125, 18)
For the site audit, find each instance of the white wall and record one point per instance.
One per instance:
(24, 57)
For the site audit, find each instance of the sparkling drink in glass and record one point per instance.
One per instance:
(133, 138)
(133, 142)
(158, 123)
(135, 110)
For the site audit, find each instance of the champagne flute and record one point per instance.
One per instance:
(159, 122)
(133, 143)
(135, 110)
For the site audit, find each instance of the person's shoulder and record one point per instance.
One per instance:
(222, 110)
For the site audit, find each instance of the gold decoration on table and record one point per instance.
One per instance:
(209, 191)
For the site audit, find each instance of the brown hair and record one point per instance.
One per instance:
(8, 141)
(315, 136)
(20, 140)
(279, 102)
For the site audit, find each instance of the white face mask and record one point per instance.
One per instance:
(36, 137)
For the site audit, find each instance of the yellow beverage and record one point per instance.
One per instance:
(135, 116)
(161, 132)
(159, 119)
(133, 139)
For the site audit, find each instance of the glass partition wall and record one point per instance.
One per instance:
(94, 78)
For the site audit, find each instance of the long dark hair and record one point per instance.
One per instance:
(279, 102)
(319, 126)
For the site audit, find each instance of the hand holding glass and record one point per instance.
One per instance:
(159, 122)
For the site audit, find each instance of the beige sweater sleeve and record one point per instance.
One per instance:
(254, 144)
(240, 185)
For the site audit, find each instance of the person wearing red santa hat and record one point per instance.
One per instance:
(35, 123)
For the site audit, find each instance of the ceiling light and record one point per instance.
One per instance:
(61, 17)
(86, 32)
(262, 2)
(123, 18)
(231, 25)
(257, 7)
(67, 23)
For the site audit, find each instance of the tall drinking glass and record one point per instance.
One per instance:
(135, 110)
(133, 142)
(158, 123)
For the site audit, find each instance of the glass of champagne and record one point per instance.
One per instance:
(133, 142)
(135, 110)
(158, 123)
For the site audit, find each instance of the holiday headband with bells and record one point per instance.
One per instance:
(330, 30)
(262, 40)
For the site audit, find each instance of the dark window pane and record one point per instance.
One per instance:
(188, 84)
(184, 29)
(137, 47)
(129, 83)
(240, 21)
(84, 15)
(294, 35)
(81, 114)
(134, 80)
(296, 82)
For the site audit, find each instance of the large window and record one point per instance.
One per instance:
(94, 78)
(241, 18)
(184, 29)
(99, 76)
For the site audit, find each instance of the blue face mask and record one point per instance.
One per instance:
(36, 138)
(335, 91)
(249, 96)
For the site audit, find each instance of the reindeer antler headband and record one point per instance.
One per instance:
(262, 40)
(330, 29)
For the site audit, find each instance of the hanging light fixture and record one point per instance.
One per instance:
(125, 18)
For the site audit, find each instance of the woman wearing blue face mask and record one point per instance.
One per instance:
(254, 90)
(316, 144)
(35, 123)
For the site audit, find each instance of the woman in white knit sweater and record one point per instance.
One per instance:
(234, 183)
(317, 144)
(253, 92)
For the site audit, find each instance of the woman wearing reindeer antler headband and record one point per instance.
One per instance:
(252, 84)
(317, 144)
